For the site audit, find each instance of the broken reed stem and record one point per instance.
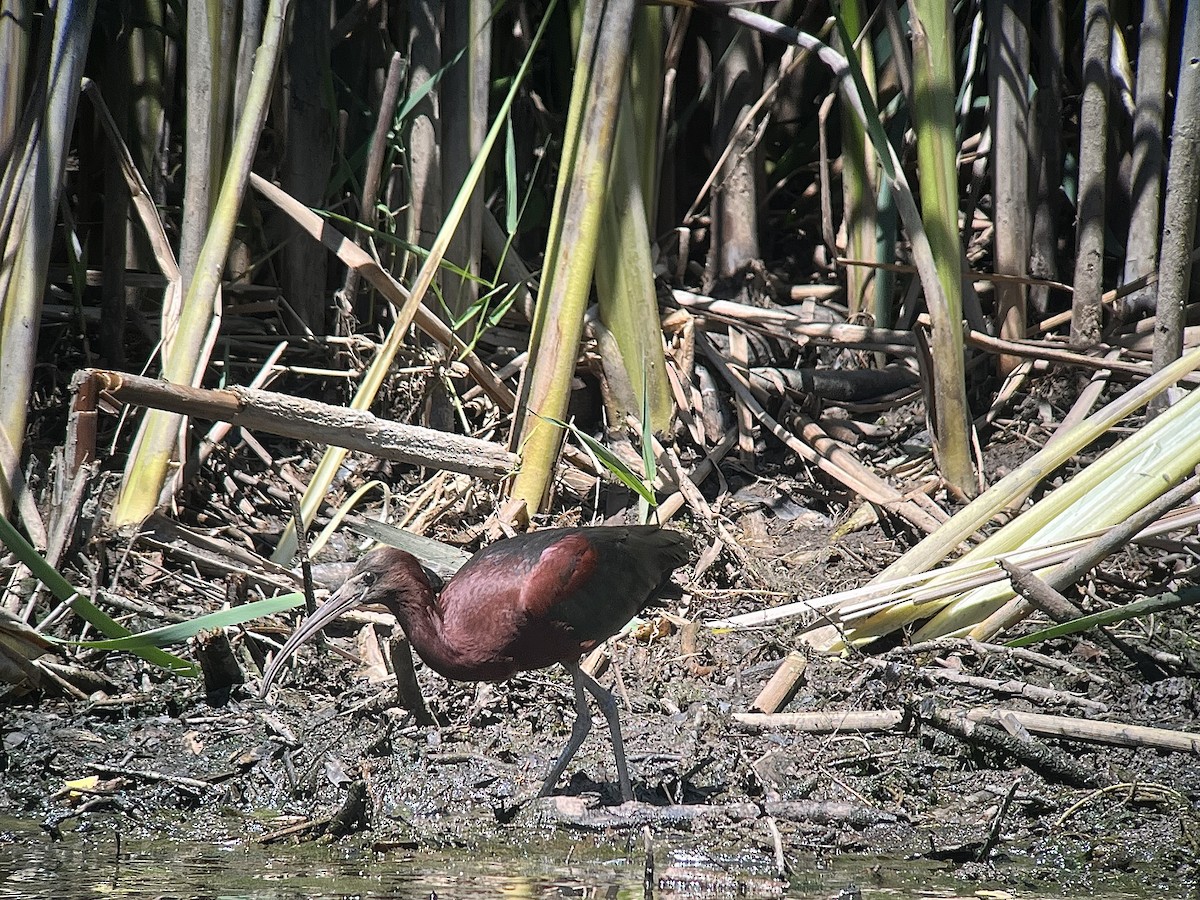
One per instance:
(1066, 727)
(824, 452)
(869, 599)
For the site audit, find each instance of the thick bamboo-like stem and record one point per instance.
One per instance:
(737, 81)
(308, 112)
(209, 83)
(1086, 308)
(146, 469)
(1046, 150)
(646, 91)
(1179, 215)
(148, 83)
(249, 36)
(423, 128)
(859, 173)
(933, 116)
(1008, 75)
(116, 258)
(464, 96)
(136, 87)
(29, 193)
(408, 311)
(575, 224)
(625, 279)
(16, 36)
(1141, 252)
(887, 215)
(373, 174)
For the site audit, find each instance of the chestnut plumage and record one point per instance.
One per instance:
(523, 603)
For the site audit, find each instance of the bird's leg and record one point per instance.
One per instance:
(608, 705)
(579, 731)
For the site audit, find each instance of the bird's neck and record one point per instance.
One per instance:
(423, 623)
(421, 618)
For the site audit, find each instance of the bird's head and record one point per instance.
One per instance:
(391, 577)
(388, 576)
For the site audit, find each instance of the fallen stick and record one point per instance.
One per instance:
(574, 812)
(1051, 763)
(1010, 686)
(818, 448)
(823, 722)
(778, 692)
(1115, 733)
(1053, 354)
(310, 420)
(193, 784)
(888, 340)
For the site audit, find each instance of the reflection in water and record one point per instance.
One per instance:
(91, 862)
(32, 866)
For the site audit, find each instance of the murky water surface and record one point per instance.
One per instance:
(92, 864)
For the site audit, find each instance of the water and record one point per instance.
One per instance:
(87, 866)
(95, 863)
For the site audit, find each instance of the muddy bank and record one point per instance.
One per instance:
(984, 803)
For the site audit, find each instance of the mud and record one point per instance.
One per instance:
(163, 761)
(149, 757)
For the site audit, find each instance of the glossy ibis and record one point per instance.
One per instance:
(525, 602)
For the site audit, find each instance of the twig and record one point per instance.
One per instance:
(1053, 354)
(993, 838)
(699, 473)
(1020, 653)
(1045, 597)
(691, 493)
(1011, 686)
(1049, 762)
(294, 829)
(828, 455)
(1136, 790)
(776, 320)
(1089, 730)
(151, 775)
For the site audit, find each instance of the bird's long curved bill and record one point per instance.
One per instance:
(344, 599)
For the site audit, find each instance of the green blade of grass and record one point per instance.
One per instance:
(1157, 604)
(81, 606)
(613, 463)
(181, 631)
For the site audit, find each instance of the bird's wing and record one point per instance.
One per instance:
(564, 570)
(595, 580)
